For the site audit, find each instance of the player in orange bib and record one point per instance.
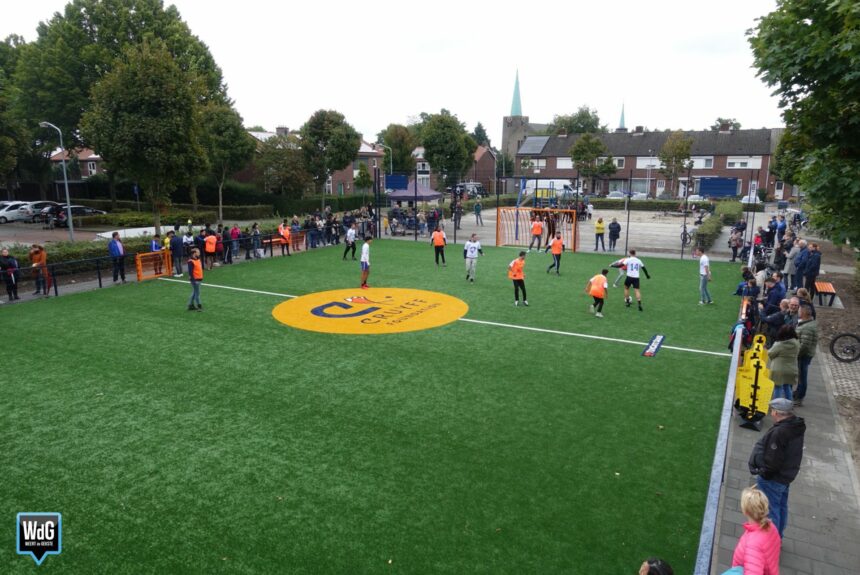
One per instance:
(557, 246)
(516, 271)
(537, 232)
(439, 240)
(284, 232)
(596, 288)
(195, 273)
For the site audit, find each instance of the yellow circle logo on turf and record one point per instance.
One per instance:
(370, 311)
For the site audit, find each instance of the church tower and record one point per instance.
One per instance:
(515, 127)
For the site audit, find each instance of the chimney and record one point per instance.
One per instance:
(638, 131)
(282, 131)
(725, 128)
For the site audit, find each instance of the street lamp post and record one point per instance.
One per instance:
(648, 175)
(65, 180)
(686, 200)
(390, 158)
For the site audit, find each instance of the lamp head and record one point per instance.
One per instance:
(44, 125)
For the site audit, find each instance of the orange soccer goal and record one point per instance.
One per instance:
(514, 226)
(153, 265)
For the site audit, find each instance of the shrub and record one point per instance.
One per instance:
(145, 219)
(708, 232)
(729, 211)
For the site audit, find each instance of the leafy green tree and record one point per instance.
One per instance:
(732, 123)
(583, 121)
(447, 146)
(480, 135)
(675, 158)
(591, 158)
(9, 52)
(363, 181)
(504, 165)
(228, 146)
(143, 114)
(329, 144)
(78, 47)
(281, 167)
(400, 140)
(10, 137)
(257, 128)
(809, 52)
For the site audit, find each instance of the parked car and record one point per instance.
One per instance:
(32, 211)
(10, 213)
(750, 199)
(638, 196)
(695, 198)
(615, 195)
(77, 211)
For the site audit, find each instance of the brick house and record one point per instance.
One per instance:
(744, 156)
(483, 169)
(88, 161)
(342, 181)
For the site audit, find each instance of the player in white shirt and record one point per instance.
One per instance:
(471, 251)
(704, 277)
(350, 241)
(365, 261)
(634, 267)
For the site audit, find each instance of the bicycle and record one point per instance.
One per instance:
(686, 238)
(845, 347)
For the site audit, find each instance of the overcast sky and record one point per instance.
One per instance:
(674, 64)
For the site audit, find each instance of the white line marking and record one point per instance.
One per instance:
(204, 284)
(493, 323)
(586, 336)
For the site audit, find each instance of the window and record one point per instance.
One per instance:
(639, 185)
(424, 181)
(709, 162)
(564, 163)
(643, 162)
(374, 162)
(741, 162)
(661, 185)
(91, 168)
(619, 162)
(537, 163)
(340, 189)
(737, 164)
(753, 186)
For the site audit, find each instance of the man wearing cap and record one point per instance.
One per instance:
(775, 459)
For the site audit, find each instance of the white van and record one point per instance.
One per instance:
(548, 188)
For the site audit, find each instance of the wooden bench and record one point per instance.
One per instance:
(297, 239)
(825, 288)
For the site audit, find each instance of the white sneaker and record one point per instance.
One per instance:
(526, 302)
(516, 303)
(591, 308)
(598, 314)
(701, 303)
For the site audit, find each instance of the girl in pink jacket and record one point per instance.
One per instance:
(758, 548)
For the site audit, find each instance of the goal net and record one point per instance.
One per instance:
(514, 226)
(151, 265)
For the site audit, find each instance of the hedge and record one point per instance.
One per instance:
(80, 250)
(729, 212)
(250, 212)
(708, 232)
(145, 219)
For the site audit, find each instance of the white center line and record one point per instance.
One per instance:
(492, 323)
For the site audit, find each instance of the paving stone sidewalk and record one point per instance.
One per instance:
(823, 533)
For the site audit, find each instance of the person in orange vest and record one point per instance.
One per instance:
(557, 246)
(516, 271)
(439, 241)
(211, 246)
(596, 288)
(537, 232)
(284, 232)
(195, 272)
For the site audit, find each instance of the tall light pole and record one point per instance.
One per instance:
(648, 175)
(65, 180)
(390, 158)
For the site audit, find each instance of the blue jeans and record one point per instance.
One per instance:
(781, 391)
(777, 498)
(195, 293)
(704, 295)
(803, 372)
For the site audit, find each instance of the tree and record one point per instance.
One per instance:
(583, 121)
(591, 158)
(447, 146)
(400, 140)
(329, 144)
(143, 115)
(731, 122)
(480, 135)
(675, 158)
(257, 128)
(809, 52)
(788, 160)
(228, 146)
(363, 181)
(281, 167)
(10, 135)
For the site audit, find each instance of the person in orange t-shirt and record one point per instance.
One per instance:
(195, 273)
(557, 246)
(284, 232)
(439, 240)
(537, 232)
(211, 246)
(596, 288)
(516, 271)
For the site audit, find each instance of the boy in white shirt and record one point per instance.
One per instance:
(470, 253)
(365, 261)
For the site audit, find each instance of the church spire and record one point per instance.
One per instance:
(516, 105)
(621, 125)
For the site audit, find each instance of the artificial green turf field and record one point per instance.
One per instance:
(227, 442)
